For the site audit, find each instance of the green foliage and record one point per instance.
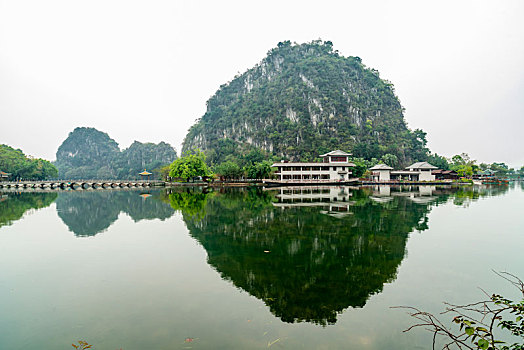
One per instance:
(16, 163)
(500, 169)
(463, 165)
(91, 154)
(301, 101)
(140, 156)
(189, 167)
(229, 170)
(260, 170)
(162, 172)
(438, 161)
(361, 165)
(390, 159)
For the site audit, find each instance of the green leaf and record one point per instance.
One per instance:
(482, 329)
(483, 343)
(469, 330)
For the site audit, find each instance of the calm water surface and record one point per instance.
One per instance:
(290, 268)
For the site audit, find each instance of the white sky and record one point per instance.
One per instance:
(143, 70)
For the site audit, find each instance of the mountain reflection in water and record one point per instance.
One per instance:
(309, 253)
(91, 212)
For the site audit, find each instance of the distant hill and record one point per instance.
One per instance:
(88, 154)
(20, 166)
(301, 101)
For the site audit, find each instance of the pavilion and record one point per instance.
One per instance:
(145, 173)
(4, 176)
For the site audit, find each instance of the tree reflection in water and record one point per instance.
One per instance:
(309, 253)
(91, 212)
(13, 205)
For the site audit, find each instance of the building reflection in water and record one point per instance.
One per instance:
(333, 200)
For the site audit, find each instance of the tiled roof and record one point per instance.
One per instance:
(421, 165)
(336, 153)
(381, 167)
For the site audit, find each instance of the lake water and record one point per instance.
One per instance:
(292, 268)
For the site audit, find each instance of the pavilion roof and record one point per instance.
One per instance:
(145, 173)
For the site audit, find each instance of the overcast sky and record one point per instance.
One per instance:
(143, 70)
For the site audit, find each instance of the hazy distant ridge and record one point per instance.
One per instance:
(88, 153)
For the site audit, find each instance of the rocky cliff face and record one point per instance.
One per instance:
(300, 101)
(88, 153)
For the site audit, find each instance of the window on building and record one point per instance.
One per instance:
(339, 159)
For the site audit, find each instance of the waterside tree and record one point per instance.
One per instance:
(189, 167)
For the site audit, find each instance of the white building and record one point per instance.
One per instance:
(381, 172)
(424, 171)
(335, 167)
(420, 171)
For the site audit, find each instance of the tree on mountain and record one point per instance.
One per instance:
(20, 166)
(88, 153)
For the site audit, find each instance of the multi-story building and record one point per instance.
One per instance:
(335, 167)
